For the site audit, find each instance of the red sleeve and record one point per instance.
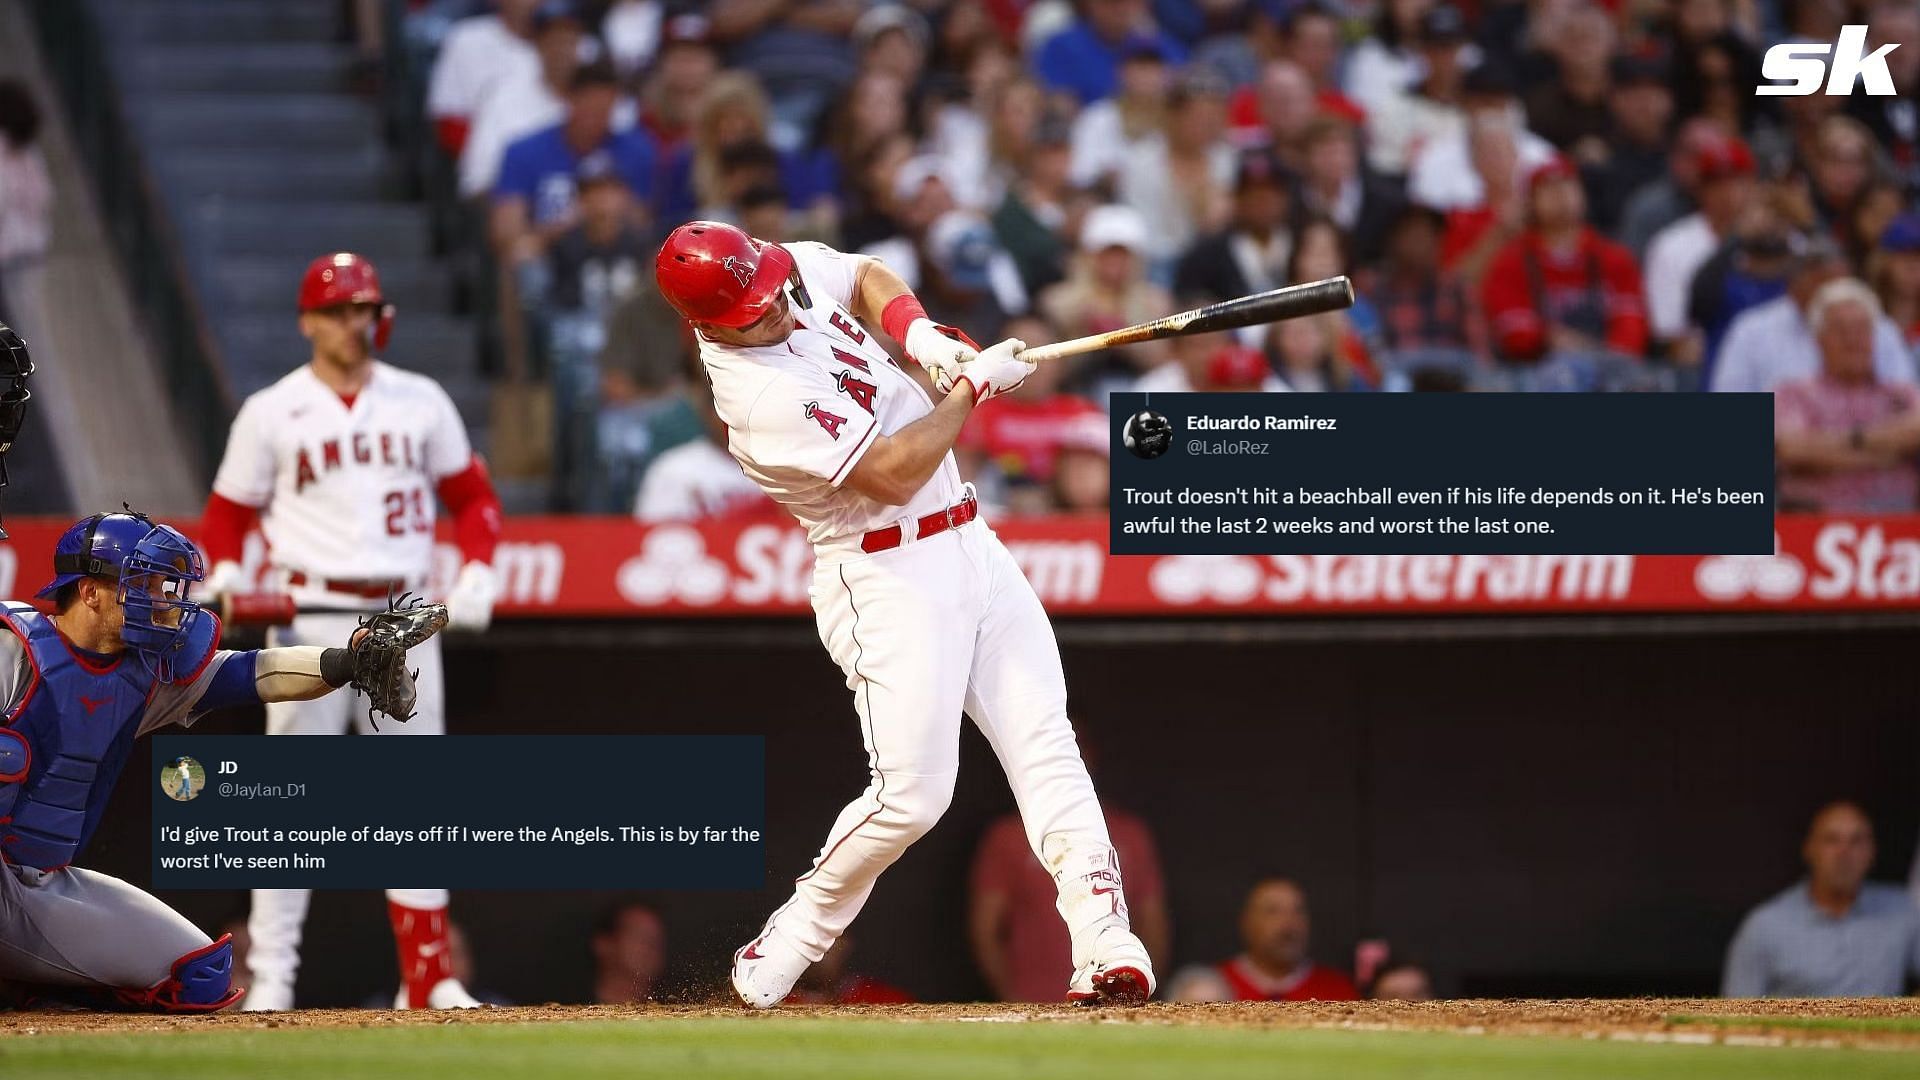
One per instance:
(475, 507)
(1516, 328)
(223, 528)
(452, 132)
(1626, 310)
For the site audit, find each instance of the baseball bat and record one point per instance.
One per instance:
(1274, 305)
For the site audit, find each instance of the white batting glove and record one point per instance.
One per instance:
(470, 601)
(225, 578)
(997, 369)
(939, 349)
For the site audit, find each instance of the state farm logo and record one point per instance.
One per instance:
(1736, 577)
(1343, 580)
(673, 564)
(1194, 579)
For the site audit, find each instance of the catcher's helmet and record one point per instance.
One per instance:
(346, 278)
(713, 273)
(127, 547)
(1148, 434)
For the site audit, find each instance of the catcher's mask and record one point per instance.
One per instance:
(155, 566)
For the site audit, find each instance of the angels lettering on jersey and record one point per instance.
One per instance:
(385, 449)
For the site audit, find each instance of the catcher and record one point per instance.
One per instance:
(126, 652)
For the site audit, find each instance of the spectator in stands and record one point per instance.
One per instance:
(1570, 111)
(1894, 121)
(1211, 363)
(699, 480)
(892, 39)
(1430, 108)
(26, 191)
(537, 197)
(966, 278)
(1894, 271)
(1388, 60)
(629, 952)
(1833, 934)
(1111, 133)
(1288, 106)
(1784, 142)
(481, 54)
(1844, 441)
(868, 193)
(534, 99)
(1081, 481)
(682, 69)
(1015, 111)
(1563, 305)
(1106, 289)
(1179, 180)
(1662, 202)
(799, 50)
(1039, 208)
(1083, 60)
(1724, 173)
(734, 112)
(1753, 268)
(1251, 254)
(873, 109)
(827, 982)
(1474, 234)
(1335, 185)
(1310, 359)
(1401, 981)
(1634, 154)
(1320, 252)
(1843, 169)
(1275, 966)
(1443, 175)
(1773, 342)
(1426, 318)
(1714, 78)
(1314, 39)
(1018, 940)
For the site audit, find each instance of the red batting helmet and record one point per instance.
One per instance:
(712, 272)
(346, 278)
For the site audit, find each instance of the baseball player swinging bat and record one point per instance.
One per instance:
(1274, 305)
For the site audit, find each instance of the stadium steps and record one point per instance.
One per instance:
(266, 156)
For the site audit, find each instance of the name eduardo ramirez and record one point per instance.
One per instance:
(1261, 423)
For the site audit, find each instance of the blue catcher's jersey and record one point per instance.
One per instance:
(68, 726)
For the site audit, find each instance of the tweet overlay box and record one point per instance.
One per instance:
(459, 811)
(1442, 474)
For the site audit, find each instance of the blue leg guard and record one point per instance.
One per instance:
(202, 981)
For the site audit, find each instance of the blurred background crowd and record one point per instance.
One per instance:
(1550, 195)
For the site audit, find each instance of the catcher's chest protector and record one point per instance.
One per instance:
(78, 721)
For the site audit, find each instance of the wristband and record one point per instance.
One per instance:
(336, 667)
(899, 314)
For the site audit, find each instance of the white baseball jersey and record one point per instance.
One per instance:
(695, 481)
(346, 491)
(801, 414)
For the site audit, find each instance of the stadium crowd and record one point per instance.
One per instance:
(1552, 195)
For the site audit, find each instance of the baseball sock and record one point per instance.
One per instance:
(421, 937)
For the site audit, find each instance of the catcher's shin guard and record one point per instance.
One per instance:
(201, 981)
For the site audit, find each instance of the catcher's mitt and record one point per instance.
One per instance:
(379, 650)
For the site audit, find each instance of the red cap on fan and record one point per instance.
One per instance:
(712, 272)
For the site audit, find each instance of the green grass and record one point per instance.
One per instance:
(799, 1049)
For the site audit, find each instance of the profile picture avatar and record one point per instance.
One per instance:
(1147, 434)
(182, 779)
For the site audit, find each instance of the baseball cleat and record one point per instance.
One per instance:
(268, 995)
(446, 994)
(764, 971)
(1121, 975)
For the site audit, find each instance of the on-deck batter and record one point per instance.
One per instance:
(916, 599)
(342, 459)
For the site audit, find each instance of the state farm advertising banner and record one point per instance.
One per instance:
(606, 567)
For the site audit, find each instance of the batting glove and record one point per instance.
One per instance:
(998, 369)
(226, 578)
(470, 602)
(939, 349)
